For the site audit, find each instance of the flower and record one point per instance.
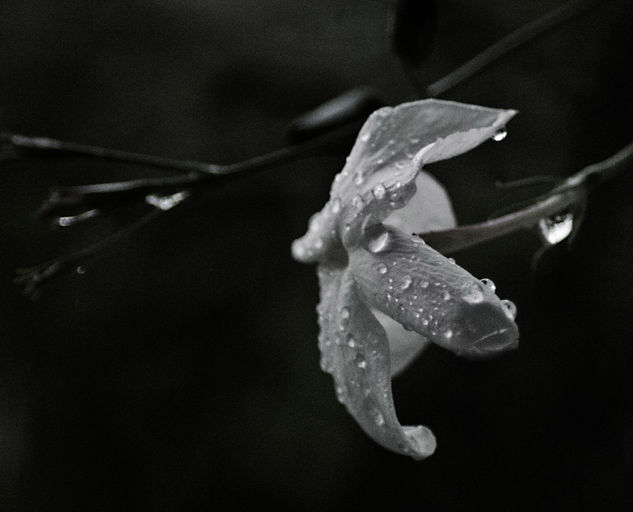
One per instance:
(384, 292)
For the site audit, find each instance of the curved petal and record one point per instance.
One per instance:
(395, 143)
(355, 351)
(379, 176)
(431, 295)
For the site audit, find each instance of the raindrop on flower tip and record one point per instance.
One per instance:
(509, 308)
(500, 134)
(488, 283)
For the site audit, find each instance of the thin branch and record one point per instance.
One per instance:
(512, 41)
(31, 278)
(572, 191)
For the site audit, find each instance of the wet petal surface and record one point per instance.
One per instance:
(356, 352)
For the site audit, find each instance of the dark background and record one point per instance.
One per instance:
(181, 370)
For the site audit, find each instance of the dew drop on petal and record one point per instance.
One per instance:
(358, 203)
(345, 313)
(406, 283)
(489, 284)
(448, 334)
(340, 394)
(364, 137)
(500, 134)
(336, 205)
(379, 419)
(358, 180)
(424, 284)
(380, 243)
(381, 268)
(509, 308)
(379, 191)
(473, 294)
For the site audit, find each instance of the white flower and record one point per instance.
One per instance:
(384, 292)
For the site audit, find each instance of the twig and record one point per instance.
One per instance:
(519, 37)
(571, 191)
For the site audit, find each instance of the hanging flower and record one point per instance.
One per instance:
(384, 292)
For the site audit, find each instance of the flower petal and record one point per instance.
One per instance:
(379, 176)
(415, 285)
(395, 143)
(355, 351)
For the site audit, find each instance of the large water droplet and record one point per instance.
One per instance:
(489, 283)
(509, 308)
(380, 243)
(500, 134)
(555, 229)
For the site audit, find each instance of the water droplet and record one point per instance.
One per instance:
(406, 283)
(424, 284)
(358, 180)
(167, 202)
(364, 137)
(446, 296)
(473, 294)
(80, 270)
(414, 140)
(318, 243)
(488, 283)
(379, 419)
(381, 268)
(360, 361)
(357, 203)
(74, 219)
(340, 394)
(500, 134)
(557, 228)
(380, 243)
(448, 334)
(351, 342)
(451, 260)
(336, 205)
(345, 313)
(401, 309)
(509, 308)
(379, 191)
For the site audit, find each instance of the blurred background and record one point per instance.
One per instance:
(180, 370)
